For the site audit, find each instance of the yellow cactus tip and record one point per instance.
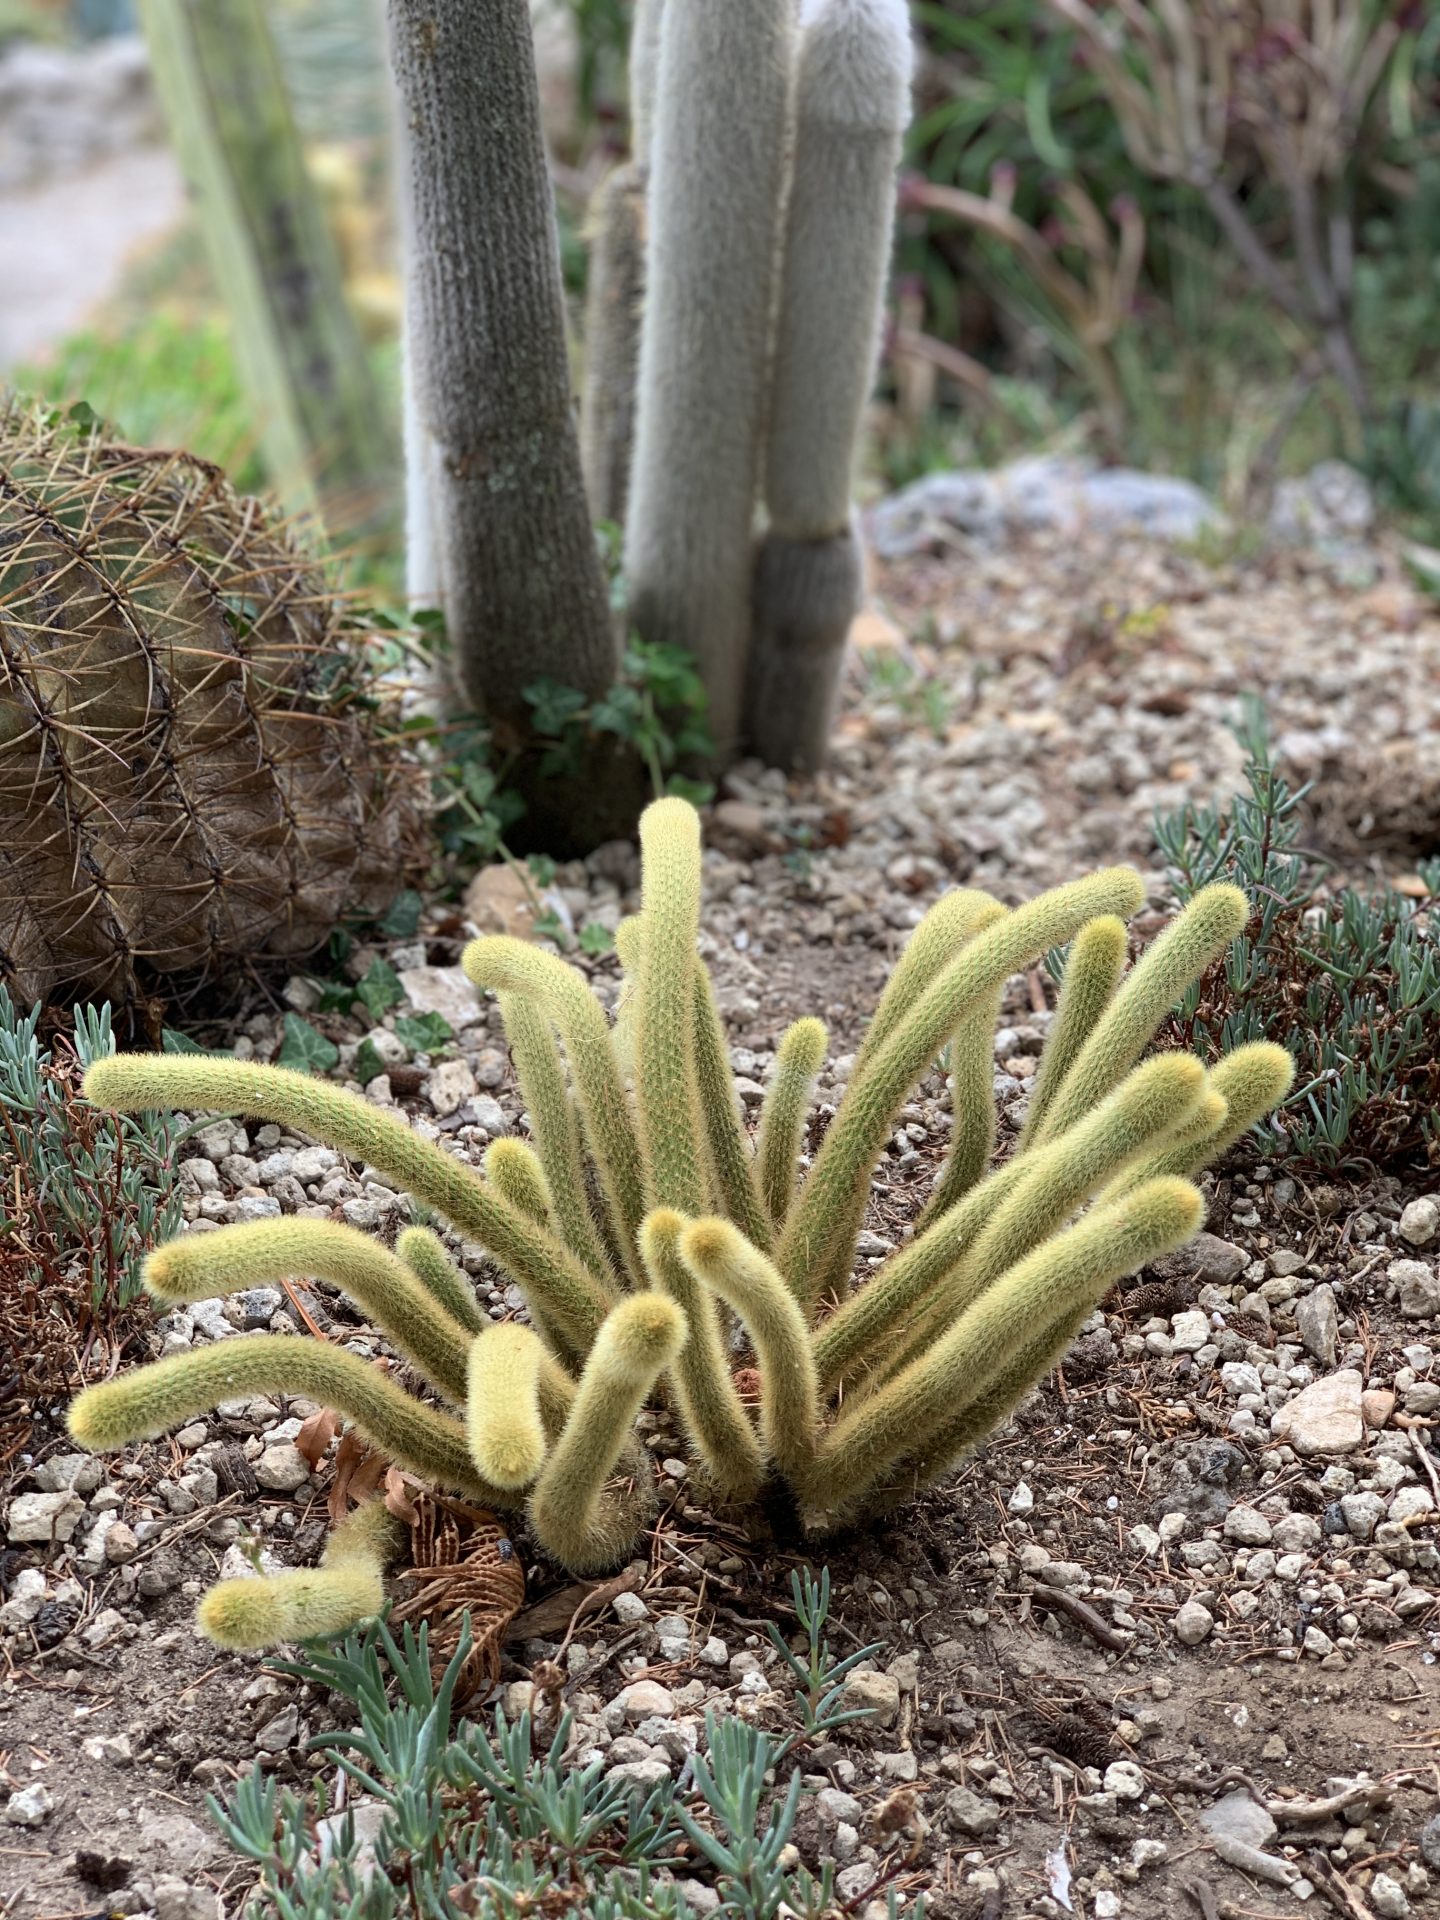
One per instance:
(663, 1224)
(1273, 1062)
(157, 1271)
(239, 1615)
(648, 1331)
(1177, 1206)
(1230, 903)
(707, 1243)
(102, 1081)
(86, 1420)
(510, 1459)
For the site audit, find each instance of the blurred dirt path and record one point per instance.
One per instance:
(64, 245)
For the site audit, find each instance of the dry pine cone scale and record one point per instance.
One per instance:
(193, 762)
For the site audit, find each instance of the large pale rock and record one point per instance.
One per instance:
(497, 900)
(442, 990)
(1419, 1285)
(1325, 1417)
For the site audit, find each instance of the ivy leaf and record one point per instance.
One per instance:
(422, 1032)
(595, 939)
(404, 916)
(368, 1064)
(305, 1049)
(380, 989)
(172, 1041)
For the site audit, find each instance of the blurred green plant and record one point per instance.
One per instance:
(1350, 985)
(85, 1194)
(488, 1825)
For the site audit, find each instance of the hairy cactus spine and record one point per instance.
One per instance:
(502, 1408)
(515, 1172)
(510, 966)
(557, 1129)
(671, 1129)
(424, 1254)
(798, 1060)
(852, 107)
(1194, 938)
(1092, 972)
(819, 1238)
(232, 1259)
(524, 591)
(1056, 1279)
(147, 1402)
(790, 1403)
(569, 1510)
(310, 1603)
(711, 1411)
(133, 1082)
(722, 115)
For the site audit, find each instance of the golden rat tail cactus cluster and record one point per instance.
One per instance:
(661, 1251)
(193, 760)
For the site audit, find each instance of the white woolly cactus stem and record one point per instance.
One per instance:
(645, 22)
(614, 289)
(1058, 1278)
(716, 205)
(852, 108)
(711, 1410)
(750, 1286)
(572, 1515)
(818, 1243)
(309, 1603)
(197, 1266)
(1195, 937)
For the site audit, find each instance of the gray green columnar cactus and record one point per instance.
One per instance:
(852, 108)
(662, 1253)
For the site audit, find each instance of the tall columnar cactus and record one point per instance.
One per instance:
(716, 195)
(659, 1251)
(853, 100)
(523, 592)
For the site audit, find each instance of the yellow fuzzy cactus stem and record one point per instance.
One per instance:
(512, 966)
(556, 1127)
(955, 918)
(135, 1082)
(310, 1603)
(922, 1289)
(818, 1244)
(1200, 934)
(149, 1401)
(1057, 1279)
(1092, 972)
(798, 1060)
(198, 1266)
(731, 1158)
(578, 1520)
(424, 1254)
(567, 1313)
(502, 1414)
(668, 1102)
(1247, 1084)
(746, 1281)
(711, 1411)
(1159, 1096)
(972, 1105)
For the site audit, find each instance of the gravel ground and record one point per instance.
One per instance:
(1177, 1624)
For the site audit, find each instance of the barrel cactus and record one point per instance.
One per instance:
(193, 744)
